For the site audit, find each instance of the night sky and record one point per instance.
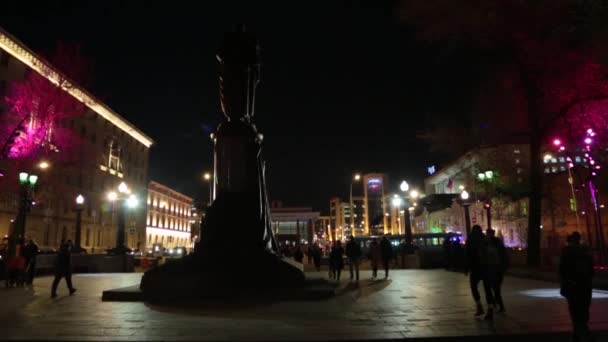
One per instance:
(345, 87)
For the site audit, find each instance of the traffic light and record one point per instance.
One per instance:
(487, 205)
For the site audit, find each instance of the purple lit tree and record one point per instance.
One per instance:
(547, 57)
(37, 110)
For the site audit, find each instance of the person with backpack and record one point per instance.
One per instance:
(576, 273)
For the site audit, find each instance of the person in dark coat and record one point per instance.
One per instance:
(336, 260)
(298, 255)
(473, 267)
(491, 255)
(501, 268)
(316, 256)
(353, 252)
(30, 252)
(63, 268)
(375, 257)
(387, 254)
(576, 273)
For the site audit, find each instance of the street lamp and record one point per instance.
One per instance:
(207, 177)
(44, 165)
(126, 199)
(27, 181)
(396, 202)
(414, 194)
(464, 196)
(356, 178)
(78, 209)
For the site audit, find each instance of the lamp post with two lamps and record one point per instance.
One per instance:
(28, 182)
(125, 199)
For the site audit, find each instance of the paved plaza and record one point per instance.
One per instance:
(411, 304)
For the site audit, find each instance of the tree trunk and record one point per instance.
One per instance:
(534, 213)
(533, 94)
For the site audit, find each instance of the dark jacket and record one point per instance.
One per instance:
(473, 248)
(335, 257)
(353, 250)
(575, 269)
(30, 251)
(63, 262)
(386, 249)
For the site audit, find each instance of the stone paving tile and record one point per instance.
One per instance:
(411, 304)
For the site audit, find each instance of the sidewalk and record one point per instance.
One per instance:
(421, 305)
(600, 280)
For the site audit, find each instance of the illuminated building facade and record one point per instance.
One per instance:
(375, 204)
(117, 152)
(293, 224)
(169, 218)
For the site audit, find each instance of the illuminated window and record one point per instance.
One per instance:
(114, 156)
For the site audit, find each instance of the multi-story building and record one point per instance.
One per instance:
(375, 204)
(169, 219)
(293, 224)
(116, 152)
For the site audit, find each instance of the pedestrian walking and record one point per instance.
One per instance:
(30, 252)
(63, 268)
(336, 259)
(473, 267)
(490, 259)
(375, 257)
(353, 252)
(298, 255)
(387, 254)
(497, 246)
(576, 273)
(316, 256)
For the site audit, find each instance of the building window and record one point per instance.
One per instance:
(114, 156)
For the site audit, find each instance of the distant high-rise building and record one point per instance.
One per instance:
(374, 202)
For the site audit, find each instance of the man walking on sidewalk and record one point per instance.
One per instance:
(353, 252)
(63, 268)
(576, 272)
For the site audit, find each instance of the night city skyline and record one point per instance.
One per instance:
(333, 99)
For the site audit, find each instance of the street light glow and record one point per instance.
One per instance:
(357, 177)
(404, 186)
(464, 195)
(123, 187)
(33, 179)
(396, 202)
(132, 201)
(23, 177)
(79, 199)
(207, 176)
(414, 194)
(112, 196)
(44, 165)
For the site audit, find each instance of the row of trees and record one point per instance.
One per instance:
(547, 74)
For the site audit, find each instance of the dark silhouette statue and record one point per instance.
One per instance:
(237, 249)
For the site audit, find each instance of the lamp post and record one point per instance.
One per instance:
(404, 187)
(464, 196)
(28, 182)
(207, 177)
(356, 178)
(78, 209)
(125, 199)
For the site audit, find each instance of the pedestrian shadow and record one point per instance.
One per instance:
(364, 288)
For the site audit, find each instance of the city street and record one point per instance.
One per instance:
(412, 303)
